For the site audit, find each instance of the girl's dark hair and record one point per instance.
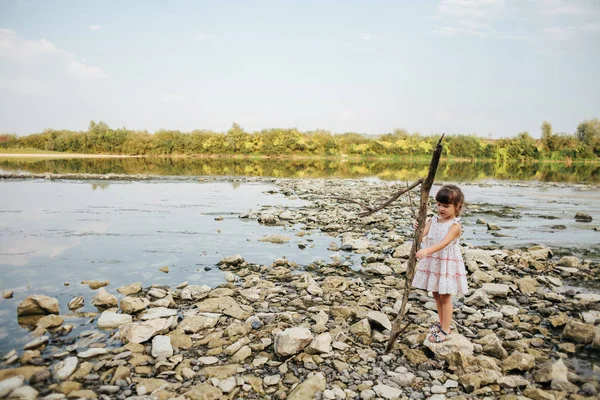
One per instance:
(451, 194)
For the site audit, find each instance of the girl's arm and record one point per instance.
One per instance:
(453, 233)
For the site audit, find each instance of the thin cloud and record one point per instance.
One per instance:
(17, 49)
(559, 33)
(368, 36)
(95, 28)
(171, 98)
(22, 86)
(202, 37)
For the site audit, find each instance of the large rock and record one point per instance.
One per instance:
(139, 332)
(65, 368)
(277, 239)
(528, 284)
(226, 305)
(456, 343)
(24, 393)
(103, 299)
(157, 312)
(518, 361)
(95, 284)
(378, 269)
(203, 391)
(195, 292)
(380, 319)
(38, 305)
(10, 384)
(130, 289)
(161, 346)
(480, 255)
(478, 298)
(220, 371)
(540, 253)
(307, 390)
(50, 321)
(195, 323)
(350, 243)
(320, 344)
(579, 332)
(132, 305)
(496, 289)
(387, 392)
(291, 341)
(110, 320)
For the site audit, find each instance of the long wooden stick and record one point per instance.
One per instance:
(412, 261)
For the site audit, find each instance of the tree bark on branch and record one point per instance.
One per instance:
(412, 261)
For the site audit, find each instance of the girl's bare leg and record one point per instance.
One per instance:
(446, 314)
(438, 305)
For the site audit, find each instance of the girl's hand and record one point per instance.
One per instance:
(422, 254)
(416, 225)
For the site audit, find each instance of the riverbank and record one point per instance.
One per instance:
(317, 330)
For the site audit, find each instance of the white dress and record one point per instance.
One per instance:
(444, 271)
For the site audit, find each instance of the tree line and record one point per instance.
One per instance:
(99, 138)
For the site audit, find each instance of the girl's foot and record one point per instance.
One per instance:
(435, 328)
(439, 337)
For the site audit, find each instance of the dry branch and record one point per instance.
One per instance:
(412, 261)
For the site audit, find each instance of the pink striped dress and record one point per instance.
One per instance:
(444, 271)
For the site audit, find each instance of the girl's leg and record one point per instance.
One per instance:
(438, 305)
(446, 314)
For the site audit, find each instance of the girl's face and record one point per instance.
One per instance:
(446, 211)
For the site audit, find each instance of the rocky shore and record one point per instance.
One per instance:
(318, 331)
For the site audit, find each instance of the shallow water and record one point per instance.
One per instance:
(123, 232)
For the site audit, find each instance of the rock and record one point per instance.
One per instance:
(158, 312)
(65, 368)
(95, 284)
(387, 392)
(204, 391)
(277, 239)
(291, 341)
(456, 343)
(157, 293)
(164, 269)
(232, 260)
(538, 394)
(588, 298)
(538, 253)
(582, 217)
(349, 243)
(555, 372)
(24, 393)
(103, 299)
(479, 255)
(569, 261)
(528, 285)
(518, 361)
(220, 371)
(196, 323)
(38, 305)
(50, 321)
(478, 298)
(93, 352)
(240, 355)
(307, 390)
(496, 289)
(76, 303)
(512, 381)
(9, 385)
(380, 319)
(378, 269)
(227, 385)
(227, 305)
(361, 328)
(26, 372)
(271, 380)
(195, 292)
(493, 227)
(132, 305)
(208, 360)
(320, 344)
(130, 289)
(470, 382)
(492, 346)
(36, 342)
(161, 346)
(139, 332)
(579, 332)
(110, 320)
(7, 294)
(229, 277)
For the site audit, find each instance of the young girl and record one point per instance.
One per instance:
(441, 269)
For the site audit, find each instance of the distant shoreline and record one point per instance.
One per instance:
(64, 155)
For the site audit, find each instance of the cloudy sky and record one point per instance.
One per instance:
(490, 67)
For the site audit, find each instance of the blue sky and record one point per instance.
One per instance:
(490, 67)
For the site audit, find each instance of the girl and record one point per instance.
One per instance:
(441, 269)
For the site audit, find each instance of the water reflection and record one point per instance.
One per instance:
(311, 168)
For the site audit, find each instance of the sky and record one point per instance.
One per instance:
(489, 67)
